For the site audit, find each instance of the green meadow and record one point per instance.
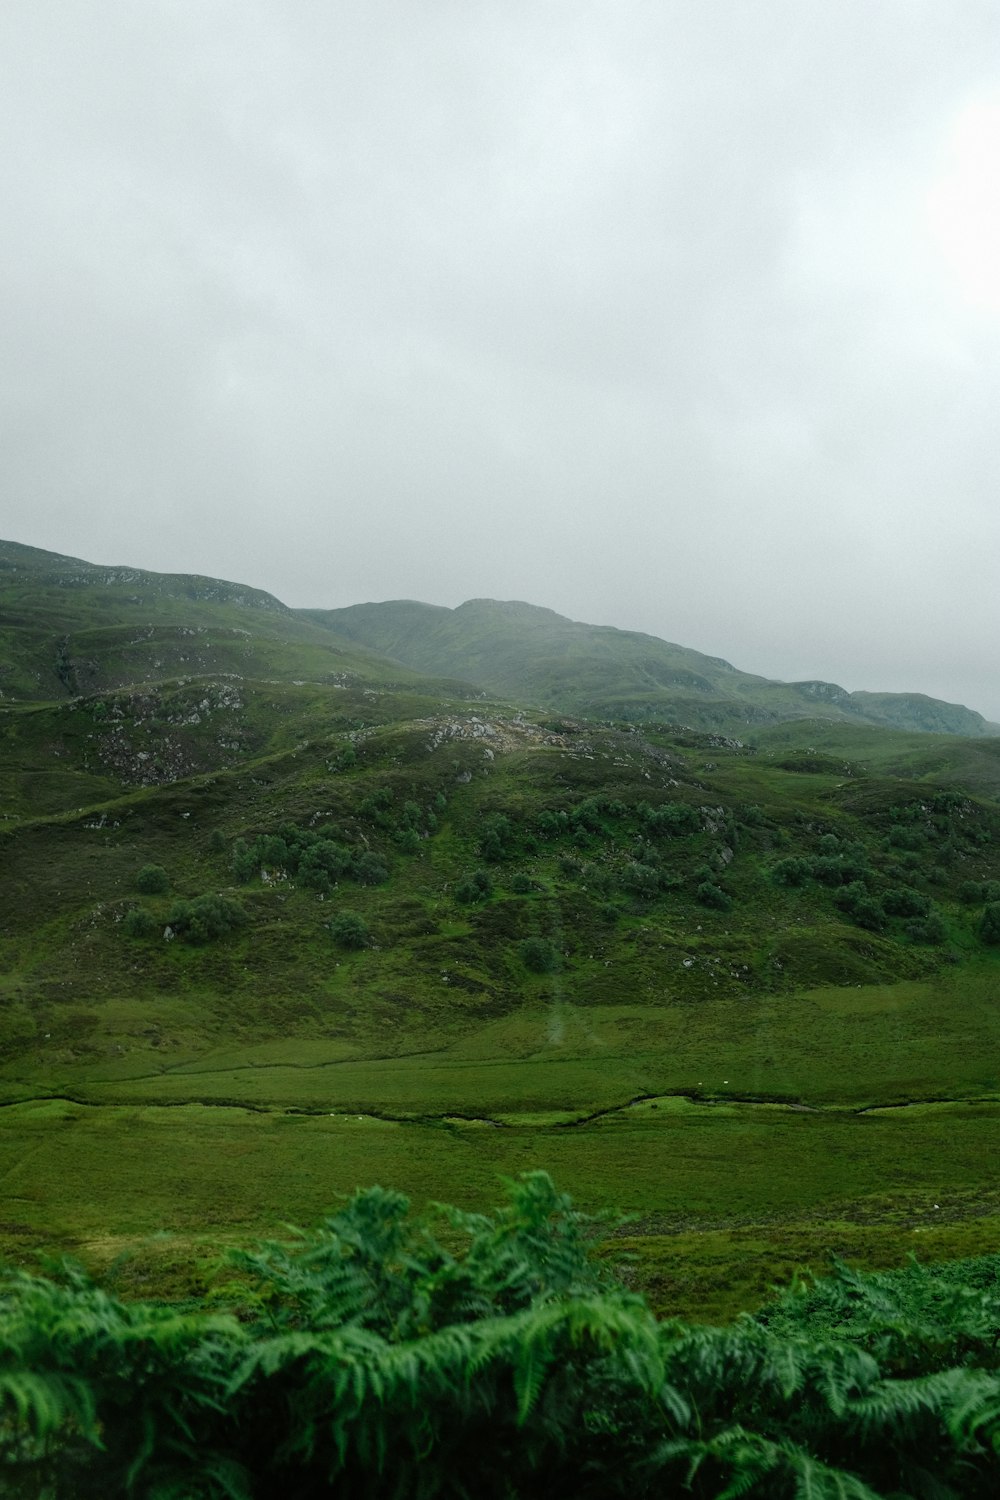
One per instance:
(856, 1121)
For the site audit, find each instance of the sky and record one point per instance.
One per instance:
(676, 315)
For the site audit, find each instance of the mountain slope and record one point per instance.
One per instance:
(520, 651)
(69, 627)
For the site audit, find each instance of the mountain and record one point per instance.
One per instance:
(71, 627)
(520, 651)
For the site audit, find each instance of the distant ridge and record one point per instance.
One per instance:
(71, 627)
(522, 651)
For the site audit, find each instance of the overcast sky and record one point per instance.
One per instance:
(677, 315)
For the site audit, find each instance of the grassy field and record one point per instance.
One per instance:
(651, 1112)
(728, 1198)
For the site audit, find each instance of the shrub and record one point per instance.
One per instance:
(152, 880)
(495, 837)
(906, 838)
(867, 912)
(216, 841)
(904, 902)
(349, 930)
(539, 955)
(974, 891)
(206, 918)
(521, 884)
(712, 895)
(840, 869)
(641, 879)
(598, 878)
(370, 869)
(928, 929)
(670, 818)
(989, 923)
(244, 861)
(791, 872)
(139, 923)
(475, 887)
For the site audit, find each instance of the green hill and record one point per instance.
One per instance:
(520, 651)
(68, 628)
(272, 933)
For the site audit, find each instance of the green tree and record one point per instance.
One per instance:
(152, 880)
(349, 930)
(540, 955)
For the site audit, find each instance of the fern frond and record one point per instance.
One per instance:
(46, 1402)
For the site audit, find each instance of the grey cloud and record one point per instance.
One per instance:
(624, 308)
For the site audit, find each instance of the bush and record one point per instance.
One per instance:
(475, 887)
(712, 895)
(369, 869)
(791, 872)
(495, 837)
(349, 930)
(551, 824)
(599, 879)
(670, 818)
(989, 924)
(152, 880)
(974, 891)
(206, 918)
(641, 880)
(139, 923)
(521, 884)
(244, 861)
(539, 955)
(904, 902)
(841, 869)
(929, 929)
(868, 913)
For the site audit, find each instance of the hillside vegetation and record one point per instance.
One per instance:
(284, 923)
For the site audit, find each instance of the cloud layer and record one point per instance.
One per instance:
(659, 314)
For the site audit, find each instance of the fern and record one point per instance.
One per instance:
(377, 1355)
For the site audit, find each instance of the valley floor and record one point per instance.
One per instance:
(742, 1153)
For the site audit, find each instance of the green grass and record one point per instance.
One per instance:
(728, 1200)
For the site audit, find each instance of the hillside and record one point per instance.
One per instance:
(68, 628)
(519, 651)
(271, 934)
